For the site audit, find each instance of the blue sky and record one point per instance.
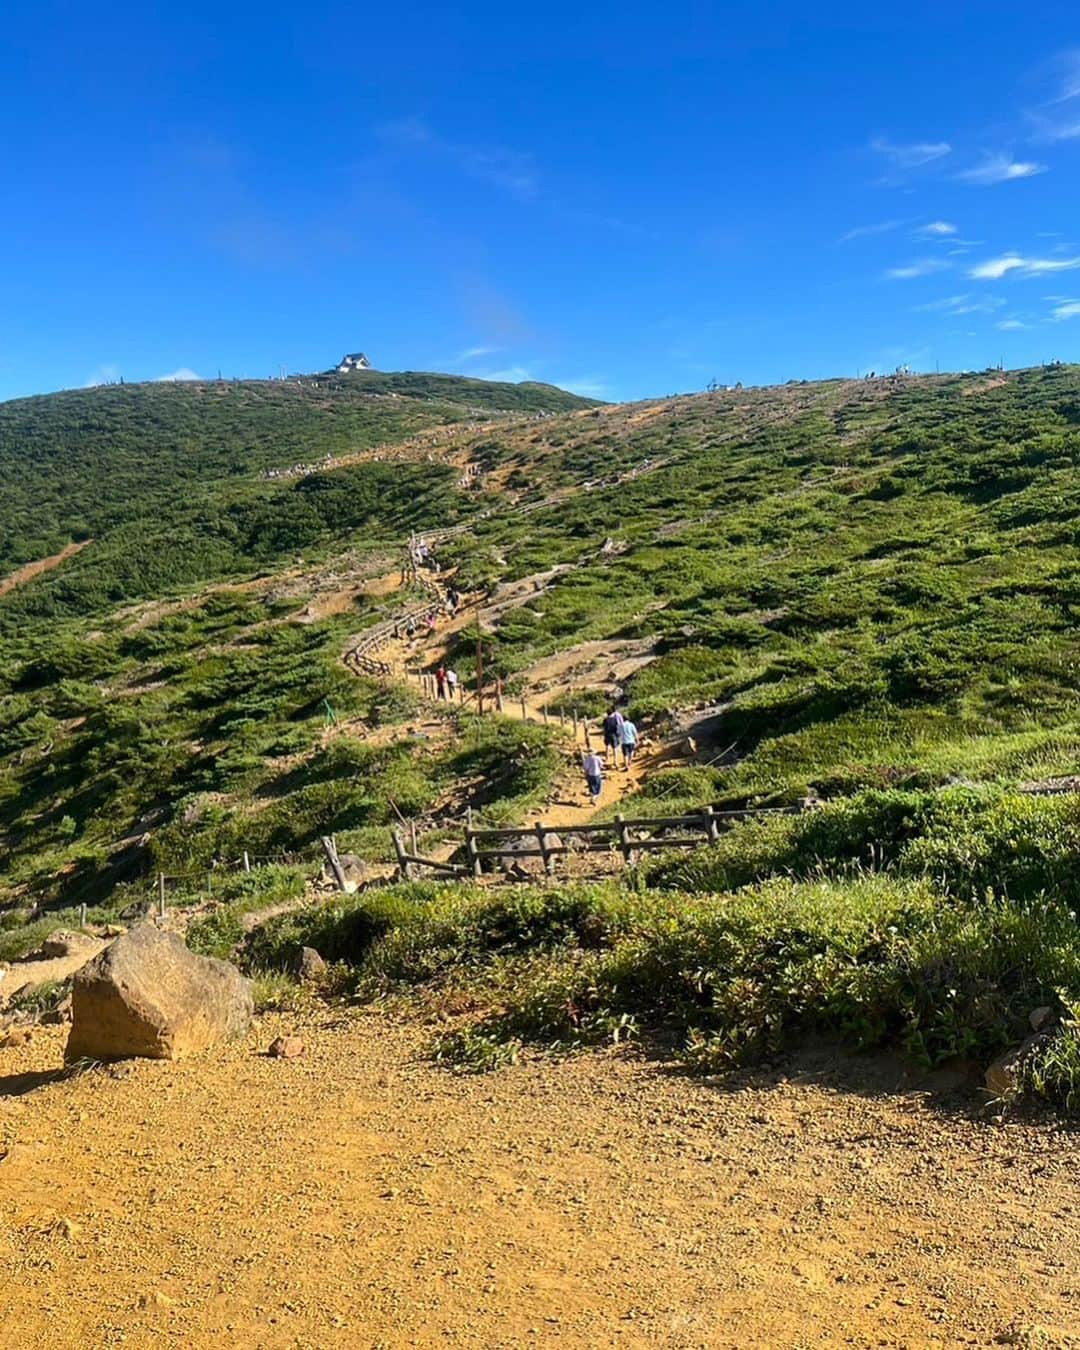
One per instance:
(624, 199)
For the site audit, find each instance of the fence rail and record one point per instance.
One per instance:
(628, 837)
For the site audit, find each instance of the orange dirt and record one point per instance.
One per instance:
(359, 1196)
(34, 569)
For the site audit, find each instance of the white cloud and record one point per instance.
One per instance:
(1000, 168)
(509, 375)
(1058, 117)
(588, 386)
(922, 267)
(911, 156)
(1010, 325)
(938, 228)
(1069, 310)
(996, 268)
(514, 171)
(473, 354)
(105, 374)
(961, 304)
(176, 376)
(862, 231)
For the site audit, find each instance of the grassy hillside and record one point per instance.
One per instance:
(866, 590)
(175, 468)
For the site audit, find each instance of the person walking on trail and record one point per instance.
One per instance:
(432, 622)
(629, 742)
(440, 682)
(451, 684)
(593, 765)
(612, 729)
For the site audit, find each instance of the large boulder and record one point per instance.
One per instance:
(147, 995)
(510, 861)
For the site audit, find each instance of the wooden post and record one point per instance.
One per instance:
(330, 850)
(575, 724)
(82, 915)
(624, 839)
(468, 817)
(247, 861)
(498, 693)
(474, 853)
(161, 892)
(545, 712)
(588, 742)
(399, 849)
(479, 672)
(549, 858)
(712, 825)
(412, 832)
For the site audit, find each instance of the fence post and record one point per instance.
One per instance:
(588, 742)
(624, 839)
(549, 858)
(474, 853)
(712, 825)
(161, 892)
(545, 712)
(247, 861)
(575, 724)
(330, 850)
(82, 915)
(399, 849)
(412, 832)
(498, 694)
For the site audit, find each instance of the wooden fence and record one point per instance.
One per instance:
(619, 837)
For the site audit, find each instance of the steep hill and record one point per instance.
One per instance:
(180, 469)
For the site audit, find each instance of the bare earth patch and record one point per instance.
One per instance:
(358, 1196)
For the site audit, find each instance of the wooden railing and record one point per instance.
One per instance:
(620, 836)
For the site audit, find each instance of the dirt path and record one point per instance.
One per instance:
(34, 569)
(361, 1197)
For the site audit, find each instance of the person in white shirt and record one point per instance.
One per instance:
(593, 766)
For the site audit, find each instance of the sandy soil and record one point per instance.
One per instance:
(359, 1196)
(34, 569)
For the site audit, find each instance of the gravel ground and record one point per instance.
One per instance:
(359, 1196)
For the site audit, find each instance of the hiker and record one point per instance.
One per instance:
(432, 622)
(629, 742)
(453, 600)
(593, 767)
(612, 728)
(410, 626)
(451, 684)
(440, 682)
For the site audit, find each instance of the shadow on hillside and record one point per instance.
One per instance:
(19, 1084)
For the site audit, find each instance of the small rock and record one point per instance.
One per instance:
(310, 966)
(286, 1047)
(156, 1299)
(1040, 1018)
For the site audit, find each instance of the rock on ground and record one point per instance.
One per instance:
(147, 995)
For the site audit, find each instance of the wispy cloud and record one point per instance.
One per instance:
(1057, 118)
(912, 155)
(921, 267)
(1018, 265)
(105, 374)
(1011, 325)
(514, 171)
(588, 386)
(508, 375)
(999, 168)
(473, 354)
(1069, 310)
(938, 229)
(863, 231)
(961, 304)
(176, 376)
